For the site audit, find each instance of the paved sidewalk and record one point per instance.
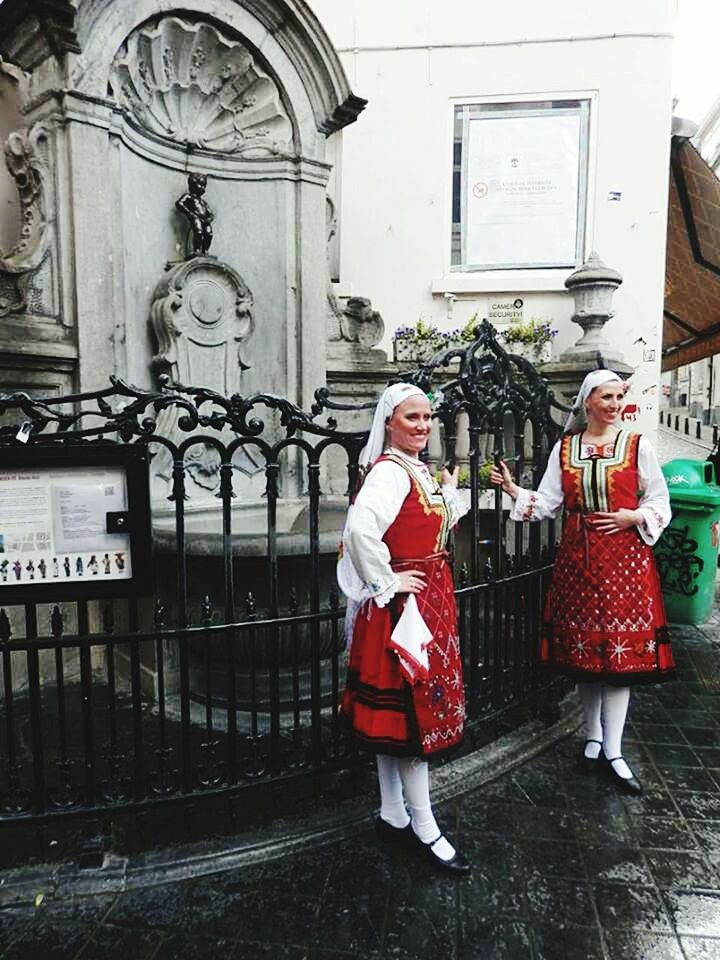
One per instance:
(672, 445)
(565, 868)
(707, 435)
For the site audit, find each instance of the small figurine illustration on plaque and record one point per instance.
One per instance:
(199, 215)
(89, 506)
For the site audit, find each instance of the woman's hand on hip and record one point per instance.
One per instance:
(410, 581)
(617, 521)
(500, 476)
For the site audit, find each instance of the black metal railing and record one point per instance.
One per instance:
(230, 675)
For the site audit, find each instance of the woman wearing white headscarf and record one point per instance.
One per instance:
(604, 620)
(404, 697)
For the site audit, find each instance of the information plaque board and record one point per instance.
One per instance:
(75, 523)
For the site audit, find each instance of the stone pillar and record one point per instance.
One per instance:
(592, 286)
(92, 213)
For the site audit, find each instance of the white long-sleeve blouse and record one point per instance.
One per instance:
(653, 503)
(364, 571)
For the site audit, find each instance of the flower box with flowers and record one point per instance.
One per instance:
(531, 339)
(419, 343)
(486, 491)
(408, 350)
(423, 341)
(486, 495)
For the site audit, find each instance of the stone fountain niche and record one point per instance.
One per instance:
(215, 327)
(246, 313)
(193, 97)
(240, 305)
(123, 105)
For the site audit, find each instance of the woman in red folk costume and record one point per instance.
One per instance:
(404, 696)
(604, 619)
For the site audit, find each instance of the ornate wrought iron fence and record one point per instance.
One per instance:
(230, 674)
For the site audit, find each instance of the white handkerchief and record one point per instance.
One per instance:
(410, 640)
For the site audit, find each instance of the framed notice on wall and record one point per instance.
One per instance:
(75, 523)
(520, 193)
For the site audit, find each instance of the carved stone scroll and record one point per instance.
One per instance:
(26, 158)
(189, 83)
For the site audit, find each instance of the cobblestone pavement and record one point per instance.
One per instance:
(673, 446)
(564, 867)
(670, 419)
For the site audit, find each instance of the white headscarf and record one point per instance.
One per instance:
(577, 420)
(390, 398)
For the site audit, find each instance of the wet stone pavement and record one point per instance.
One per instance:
(564, 867)
(673, 445)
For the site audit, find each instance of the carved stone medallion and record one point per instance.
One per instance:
(202, 317)
(202, 314)
(206, 302)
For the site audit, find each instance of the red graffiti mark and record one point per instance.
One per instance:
(629, 412)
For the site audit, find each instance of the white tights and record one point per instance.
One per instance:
(402, 778)
(605, 709)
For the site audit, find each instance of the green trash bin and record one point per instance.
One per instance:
(687, 552)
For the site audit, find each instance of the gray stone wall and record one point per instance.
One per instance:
(113, 121)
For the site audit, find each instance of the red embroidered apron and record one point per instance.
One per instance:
(604, 614)
(387, 715)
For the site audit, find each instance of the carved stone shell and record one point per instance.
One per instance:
(188, 83)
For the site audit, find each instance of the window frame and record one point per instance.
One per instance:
(457, 278)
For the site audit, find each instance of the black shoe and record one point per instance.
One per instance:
(633, 787)
(387, 833)
(458, 864)
(590, 764)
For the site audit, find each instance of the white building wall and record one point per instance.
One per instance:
(707, 139)
(412, 59)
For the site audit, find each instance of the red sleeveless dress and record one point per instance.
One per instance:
(604, 614)
(387, 714)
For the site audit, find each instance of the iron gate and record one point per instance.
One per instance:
(230, 674)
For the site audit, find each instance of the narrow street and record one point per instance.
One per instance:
(673, 445)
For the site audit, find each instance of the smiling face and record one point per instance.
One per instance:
(408, 428)
(604, 404)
